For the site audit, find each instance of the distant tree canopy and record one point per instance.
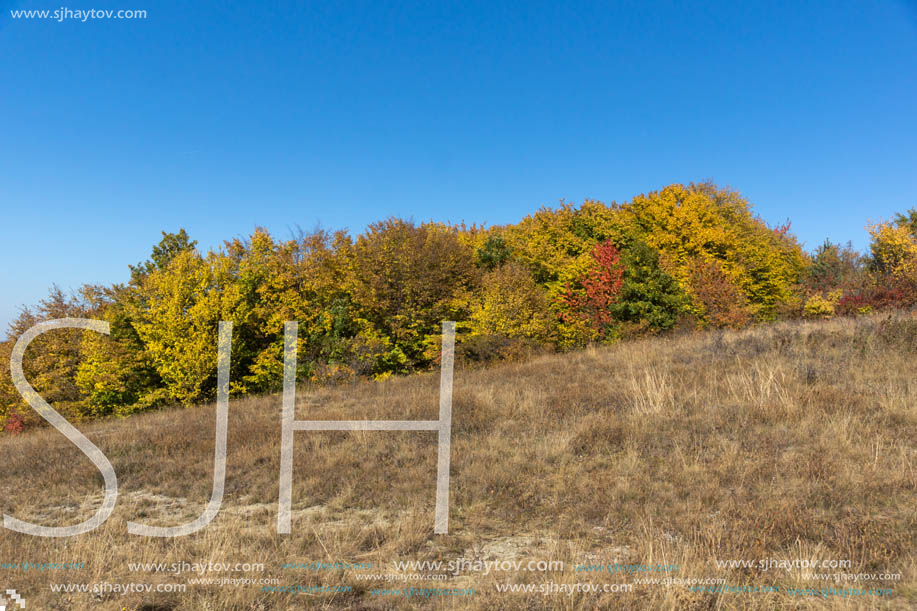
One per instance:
(372, 305)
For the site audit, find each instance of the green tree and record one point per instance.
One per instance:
(649, 298)
(494, 253)
(908, 220)
(168, 247)
(834, 266)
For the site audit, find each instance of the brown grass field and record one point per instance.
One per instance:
(788, 441)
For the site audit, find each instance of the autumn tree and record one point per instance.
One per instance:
(405, 280)
(703, 222)
(117, 373)
(299, 279)
(511, 304)
(50, 362)
(177, 319)
(557, 244)
(591, 298)
(168, 247)
(893, 249)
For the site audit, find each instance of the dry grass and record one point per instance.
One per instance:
(788, 441)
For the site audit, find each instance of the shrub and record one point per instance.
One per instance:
(818, 306)
(890, 295)
(512, 305)
(14, 424)
(718, 301)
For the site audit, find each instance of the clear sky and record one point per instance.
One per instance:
(219, 117)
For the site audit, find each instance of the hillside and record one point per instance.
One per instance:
(783, 442)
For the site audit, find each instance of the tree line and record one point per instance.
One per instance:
(684, 257)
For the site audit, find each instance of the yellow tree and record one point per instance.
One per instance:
(116, 372)
(511, 304)
(299, 279)
(177, 320)
(405, 279)
(702, 222)
(894, 249)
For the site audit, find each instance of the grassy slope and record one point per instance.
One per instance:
(789, 441)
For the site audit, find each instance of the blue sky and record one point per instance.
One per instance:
(220, 118)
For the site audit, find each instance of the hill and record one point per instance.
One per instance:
(783, 443)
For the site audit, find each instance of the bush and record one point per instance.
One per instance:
(818, 306)
(512, 305)
(718, 301)
(14, 424)
(892, 295)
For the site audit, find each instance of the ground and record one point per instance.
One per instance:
(779, 443)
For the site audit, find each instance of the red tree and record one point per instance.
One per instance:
(600, 288)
